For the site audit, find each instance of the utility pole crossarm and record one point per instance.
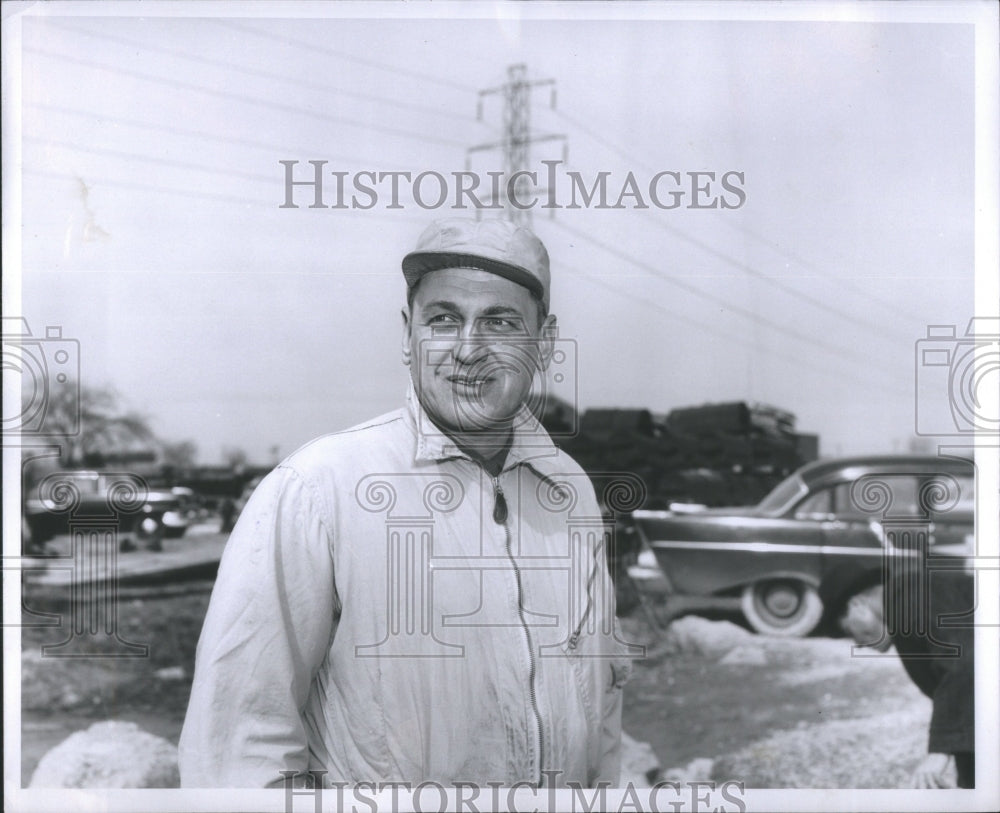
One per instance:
(517, 139)
(496, 145)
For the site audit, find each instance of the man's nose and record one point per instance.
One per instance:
(470, 345)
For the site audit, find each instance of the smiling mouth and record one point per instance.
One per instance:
(470, 382)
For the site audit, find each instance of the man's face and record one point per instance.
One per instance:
(474, 343)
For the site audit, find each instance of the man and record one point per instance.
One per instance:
(922, 619)
(423, 597)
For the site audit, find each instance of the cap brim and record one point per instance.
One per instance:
(418, 263)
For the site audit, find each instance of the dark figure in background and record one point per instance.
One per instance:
(227, 515)
(924, 626)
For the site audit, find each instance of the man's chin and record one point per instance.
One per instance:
(483, 424)
(473, 414)
(470, 419)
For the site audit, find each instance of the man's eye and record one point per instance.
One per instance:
(497, 324)
(443, 325)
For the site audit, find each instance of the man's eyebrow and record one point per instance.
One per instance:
(443, 304)
(493, 310)
(501, 310)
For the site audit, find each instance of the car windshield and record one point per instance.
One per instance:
(782, 494)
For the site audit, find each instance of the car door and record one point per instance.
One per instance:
(851, 537)
(951, 536)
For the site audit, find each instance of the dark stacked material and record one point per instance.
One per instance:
(716, 454)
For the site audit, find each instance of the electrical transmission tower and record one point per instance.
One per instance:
(517, 139)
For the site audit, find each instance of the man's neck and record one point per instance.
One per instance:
(487, 448)
(490, 451)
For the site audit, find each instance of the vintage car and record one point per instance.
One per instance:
(123, 500)
(830, 529)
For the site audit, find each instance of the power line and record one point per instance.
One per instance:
(594, 135)
(151, 159)
(745, 267)
(248, 71)
(187, 193)
(749, 269)
(891, 307)
(649, 303)
(284, 108)
(710, 328)
(282, 149)
(320, 49)
(695, 291)
(188, 165)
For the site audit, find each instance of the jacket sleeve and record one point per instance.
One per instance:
(953, 726)
(617, 666)
(267, 631)
(940, 660)
(609, 768)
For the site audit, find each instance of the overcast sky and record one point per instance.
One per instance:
(153, 230)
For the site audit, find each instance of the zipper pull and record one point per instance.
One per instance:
(499, 503)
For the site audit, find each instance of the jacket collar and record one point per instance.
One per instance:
(530, 444)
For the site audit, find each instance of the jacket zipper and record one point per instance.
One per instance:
(574, 639)
(500, 517)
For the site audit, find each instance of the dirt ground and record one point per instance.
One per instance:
(779, 713)
(772, 713)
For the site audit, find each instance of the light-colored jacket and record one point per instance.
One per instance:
(376, 617)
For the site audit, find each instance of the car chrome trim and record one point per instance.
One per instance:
(777, 547)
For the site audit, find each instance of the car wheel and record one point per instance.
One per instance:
(784, 607)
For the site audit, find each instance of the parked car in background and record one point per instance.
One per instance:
(828, 529)
(147, 517)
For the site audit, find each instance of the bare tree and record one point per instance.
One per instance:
(93, 421)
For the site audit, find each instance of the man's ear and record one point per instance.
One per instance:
(547, 341)
(405, 313)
